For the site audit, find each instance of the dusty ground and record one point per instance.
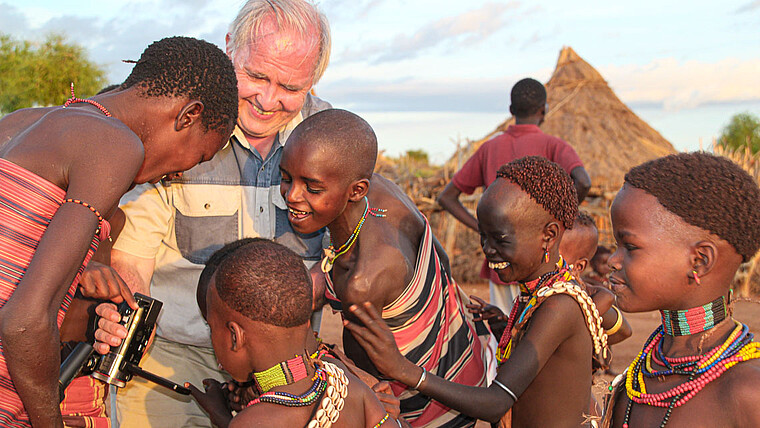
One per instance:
(642, 325)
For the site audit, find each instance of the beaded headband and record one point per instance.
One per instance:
(694, 320)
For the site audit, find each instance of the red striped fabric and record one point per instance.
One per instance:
(434, 330)
(28, 203)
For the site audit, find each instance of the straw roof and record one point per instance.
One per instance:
(609, 138)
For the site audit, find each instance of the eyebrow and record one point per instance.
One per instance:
(258, 75)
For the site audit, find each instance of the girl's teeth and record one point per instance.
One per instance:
(498, 266)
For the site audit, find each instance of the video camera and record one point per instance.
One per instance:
(122, 362)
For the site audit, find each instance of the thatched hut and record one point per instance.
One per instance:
(585, 112)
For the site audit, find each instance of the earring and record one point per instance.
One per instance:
(546, 255)
(696, 278)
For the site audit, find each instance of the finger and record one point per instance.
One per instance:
(480, 301)
(382, 386)
(195, 392)
(369, 316)
(112, 328)
(364, 337)
(108, 311)
(127, 294)
(106, 338)
(101, 348)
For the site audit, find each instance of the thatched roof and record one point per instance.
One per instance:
(583, 110)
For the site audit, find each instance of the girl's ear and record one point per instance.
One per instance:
(359, 189)
(237, 335)
(703, 257)
(552, 235)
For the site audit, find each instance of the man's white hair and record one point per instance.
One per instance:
(298, 15)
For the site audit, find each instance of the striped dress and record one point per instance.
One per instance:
(434, 330)
(27, 205)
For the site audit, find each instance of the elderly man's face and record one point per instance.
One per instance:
(274, 75)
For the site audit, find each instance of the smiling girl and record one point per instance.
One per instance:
(683, 225)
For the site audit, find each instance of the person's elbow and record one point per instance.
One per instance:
(15, 326)
(582, 182)
(448, 197)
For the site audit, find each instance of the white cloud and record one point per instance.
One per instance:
(468, 28)
(686, 84)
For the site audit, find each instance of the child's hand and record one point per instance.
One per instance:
(102, 282)
(373, 334)
(484, 311)
(213, 401)
(384, 393)
(238, 396)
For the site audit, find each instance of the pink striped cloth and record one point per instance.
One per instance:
(28, 203)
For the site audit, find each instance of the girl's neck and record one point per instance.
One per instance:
(699, 343)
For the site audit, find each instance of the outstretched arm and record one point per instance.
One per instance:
(530, 355)
(449, 200)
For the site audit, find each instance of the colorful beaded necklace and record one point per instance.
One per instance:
(694, 320)
(700, 369)
(284, 373)
(331, 254)
(528, 290)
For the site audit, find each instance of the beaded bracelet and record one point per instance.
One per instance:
(618, 322)
(422, 378)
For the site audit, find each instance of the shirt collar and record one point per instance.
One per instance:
(280, 138)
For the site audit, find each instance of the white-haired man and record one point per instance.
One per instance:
(280, 49)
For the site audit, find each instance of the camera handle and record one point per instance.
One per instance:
(80, 356)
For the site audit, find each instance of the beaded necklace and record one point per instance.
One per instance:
(331, 254)
(694, 320)
(528, 291)
(700, 369)
(284, 373)
(74, 99)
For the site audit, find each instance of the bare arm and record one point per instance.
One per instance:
(449, 201)
(543, 337)
(28, 321)
(582, 182)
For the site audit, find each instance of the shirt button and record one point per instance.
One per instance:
(261, 209)
(207, 206)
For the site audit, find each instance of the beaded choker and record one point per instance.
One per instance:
(284, 373)
(700, 369)
(694, 320)
(331, 254)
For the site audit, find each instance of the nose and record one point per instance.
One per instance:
(487, 248)
(290, 193)
(615, 261)
(268, 98)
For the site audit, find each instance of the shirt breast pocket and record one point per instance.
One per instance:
(206, 218)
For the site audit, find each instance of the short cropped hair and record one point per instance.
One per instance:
(547, 184)
(265, 281)
(299, 15)
(707, 191)
(213, 262)
(528, 97)
(192, 68)
(584, 219)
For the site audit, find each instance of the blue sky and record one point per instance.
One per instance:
(426, 73)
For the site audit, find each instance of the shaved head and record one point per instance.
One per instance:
(348, 138)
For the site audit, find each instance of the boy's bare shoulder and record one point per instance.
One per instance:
(739, 390)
